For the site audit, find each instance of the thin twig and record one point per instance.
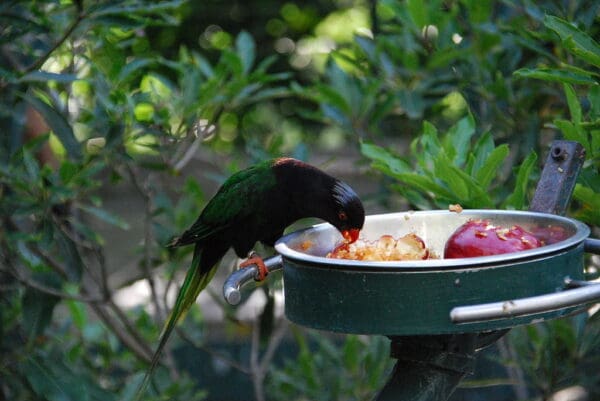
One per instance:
(138, 348)
(42, 59)
(49, 261)
(160, 308)
(188, 155)
(260, 367)
(515, 373)
(147, 240)
(31, 283)
(257, 382)
(274, 341)
(128, 325)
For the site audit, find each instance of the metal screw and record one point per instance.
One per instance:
(559, 153)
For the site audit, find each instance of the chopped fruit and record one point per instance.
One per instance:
(481, 238)
(386, 248)
(351, 235)
(306, 245)
(550, 235)
(455, 208)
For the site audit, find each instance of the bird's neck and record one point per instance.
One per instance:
(308, 189)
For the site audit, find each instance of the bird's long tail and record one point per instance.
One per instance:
(195, 281)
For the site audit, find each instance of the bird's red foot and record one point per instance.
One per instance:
(254, 259)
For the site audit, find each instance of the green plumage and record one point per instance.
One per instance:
(256, 204)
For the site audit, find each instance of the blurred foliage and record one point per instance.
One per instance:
(451, 102)
(451, 170)
(349, 371)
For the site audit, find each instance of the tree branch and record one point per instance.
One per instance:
(140, 349)
(260, 367)
(31, 283)
(37, 64)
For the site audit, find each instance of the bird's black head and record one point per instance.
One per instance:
(349, 215)
(311, 192)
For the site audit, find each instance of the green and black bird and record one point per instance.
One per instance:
(257, 204)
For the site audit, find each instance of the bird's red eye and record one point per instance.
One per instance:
(342, 215)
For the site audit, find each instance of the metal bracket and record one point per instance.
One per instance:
(556, 184)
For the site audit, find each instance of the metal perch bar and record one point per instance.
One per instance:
(231, 288)
(581, 293)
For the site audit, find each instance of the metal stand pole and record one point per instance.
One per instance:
(429, 367)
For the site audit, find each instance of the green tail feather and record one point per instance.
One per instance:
(194, 282)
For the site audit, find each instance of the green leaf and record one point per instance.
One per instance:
(50, 382)
(418, 13)
(518, 197)
(31, 166)
(327, 94)
(573, 103)
(44, 76)
(573, 132)
(479, 10)
(480, 152)
(70, 254)
(555, 75)
(412, 102)
(156, 8)
(427, 145)
(78, 314)
(351, 352)
(67, 171)
(448, 173)
(458, 139)
(234, 64)
(590, 201)
(130, 69)
(39, 306)
(246, 49)
(425, 184)
(383, 157)
(59, 125)
(489, 168)
(594, 99)
(576, 41)
(54, 380)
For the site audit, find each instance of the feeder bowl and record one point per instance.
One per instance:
(418, 297)
(434, 296)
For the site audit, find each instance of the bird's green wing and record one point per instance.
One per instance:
(239, 197)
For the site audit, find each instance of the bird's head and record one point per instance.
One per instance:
(313, 193)
(348, 215)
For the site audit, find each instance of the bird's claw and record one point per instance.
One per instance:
(254, 259)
